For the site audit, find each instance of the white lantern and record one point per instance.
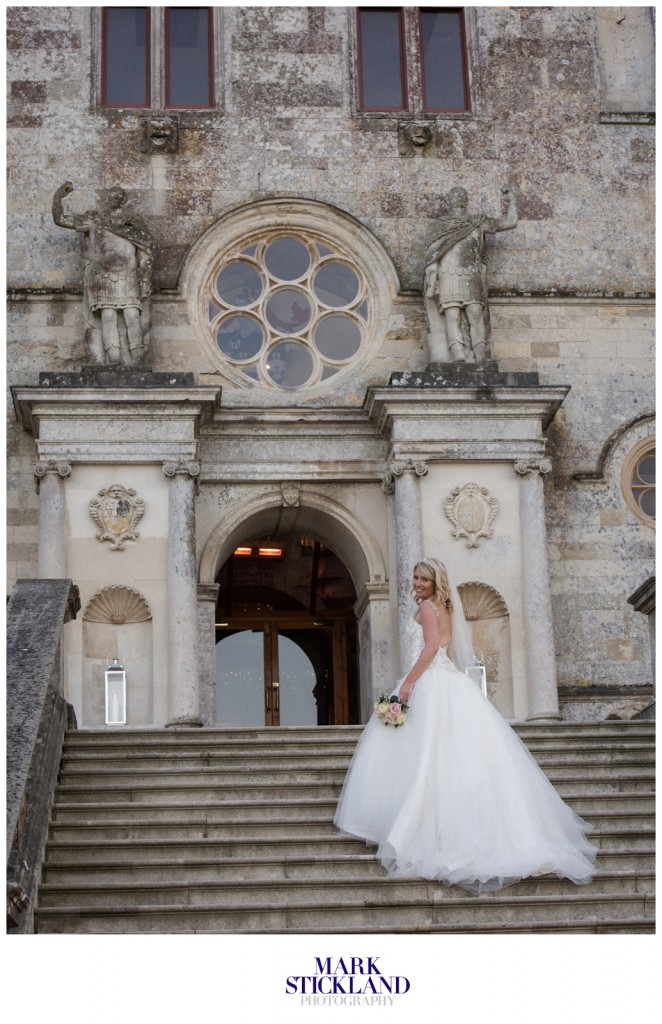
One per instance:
(115, 693)
(476, 671)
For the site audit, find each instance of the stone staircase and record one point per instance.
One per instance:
(217, 831)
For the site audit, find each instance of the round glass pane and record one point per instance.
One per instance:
(289, 364)
(337, 337)
(289, 311)
(647, 503)
(646, 470)
(336, 285)
(239, 284)
(239, 337)
(287, 259)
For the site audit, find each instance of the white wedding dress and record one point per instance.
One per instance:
(454, 795)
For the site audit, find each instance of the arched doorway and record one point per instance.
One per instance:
(286, 639)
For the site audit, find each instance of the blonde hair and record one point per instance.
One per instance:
(435, 571)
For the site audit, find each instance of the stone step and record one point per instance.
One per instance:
(296, 797)
(627, 854)
(281, 781)
(409, 915)
(287, 886)
(164, 823)
(266, 866)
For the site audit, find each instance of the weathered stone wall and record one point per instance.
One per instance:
(571, 284)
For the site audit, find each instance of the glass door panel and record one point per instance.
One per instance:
(240, 682)
(297, 683)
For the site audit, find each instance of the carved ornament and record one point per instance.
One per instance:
(396, 469)
(159, 135)
(291, 493)
(542, 466)
(471, 511)
(414, 139)
(118, 605)
(117, 512)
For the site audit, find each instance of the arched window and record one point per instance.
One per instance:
(638, 480)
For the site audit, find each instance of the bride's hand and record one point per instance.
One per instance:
(405, 692)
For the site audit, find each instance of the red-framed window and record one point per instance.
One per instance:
(125, 61)
(436, 77)
(182, 36)
(443, 53)
(189, 57)
(381, 58)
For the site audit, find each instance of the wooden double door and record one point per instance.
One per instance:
(285, 671)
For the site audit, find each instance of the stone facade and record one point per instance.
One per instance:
(561, 110)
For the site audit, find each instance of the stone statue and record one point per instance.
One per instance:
(456, 282)
(117, 278)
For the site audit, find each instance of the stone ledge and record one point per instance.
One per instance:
(116, 376)
(445, 375)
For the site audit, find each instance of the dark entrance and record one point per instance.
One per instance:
(286, 636)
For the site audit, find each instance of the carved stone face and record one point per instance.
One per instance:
(458, 198)
(159, 133)
(116, 197)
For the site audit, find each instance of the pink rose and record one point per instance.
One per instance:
(395, 709)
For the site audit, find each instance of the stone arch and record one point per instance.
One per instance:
(346, 535)
(315, 513)
(489, 621)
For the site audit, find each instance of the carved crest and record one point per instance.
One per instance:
(472, 512)
(117, 512)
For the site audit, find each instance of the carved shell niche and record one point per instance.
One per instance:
(117, 605)
(481, 602)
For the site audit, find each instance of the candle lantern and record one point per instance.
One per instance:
(115, 693)
(476, 671)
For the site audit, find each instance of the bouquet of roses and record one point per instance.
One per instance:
(391, 710)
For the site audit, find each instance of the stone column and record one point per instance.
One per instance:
(536, 595)
(50, 477)
(401, 479)
(207, 596)
(182, 640)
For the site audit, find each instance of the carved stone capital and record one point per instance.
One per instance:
(397, 468)
(542, 466)
(471, 511)
(62, 469)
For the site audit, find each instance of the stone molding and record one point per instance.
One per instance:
(471, 511)
(63, 470)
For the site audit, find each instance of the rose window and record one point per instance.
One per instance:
(288, 311)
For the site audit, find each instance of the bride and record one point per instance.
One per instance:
(454, 794)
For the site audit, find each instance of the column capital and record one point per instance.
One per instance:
(542, 466)
(396, 468)
(42, 467)
(191, 469)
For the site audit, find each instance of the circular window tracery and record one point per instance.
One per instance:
(288, 310)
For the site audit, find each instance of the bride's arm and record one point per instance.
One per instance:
(429, 619)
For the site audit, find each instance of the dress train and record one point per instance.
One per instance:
(454, 795)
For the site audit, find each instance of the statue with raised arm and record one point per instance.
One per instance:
(455, 287)
(117, 278)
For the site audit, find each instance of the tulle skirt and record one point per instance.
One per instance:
(454, 795)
